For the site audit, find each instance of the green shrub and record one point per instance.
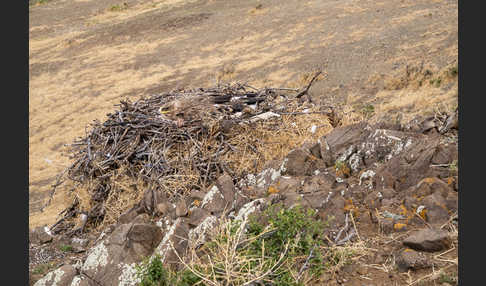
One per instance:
(152, 272)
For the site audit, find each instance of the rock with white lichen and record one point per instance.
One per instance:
(112, 261)
(59, 277)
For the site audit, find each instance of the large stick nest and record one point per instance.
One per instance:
(178, 142)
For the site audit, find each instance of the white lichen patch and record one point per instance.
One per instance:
(198, 234)
(164, 246)
(275, 174)
(409, 142)
(248, 209)
(366, 175)
(47, 230)
(210, 195)
(354, 161)
(76, 280)
(420, 209)
(347, 153)
(251, 179)
(327, 198)
(78, 240)
(283, 167)
(98, 256)
(391, 136)
(261, 179)
(317, 172)
(128, 276)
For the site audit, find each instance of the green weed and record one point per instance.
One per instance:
(66, 248)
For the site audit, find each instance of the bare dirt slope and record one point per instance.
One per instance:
(86, 55)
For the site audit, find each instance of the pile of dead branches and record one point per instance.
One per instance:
(176, 142)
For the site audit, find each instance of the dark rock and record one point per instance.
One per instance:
(318, 199)
(166, 208)
(129, 215)
(289, 184)
(112, 261)
(388, 193)
(333, 210)
(227, 188)
(142, 240)
(39, 235)
(431, 185)
(411, 259)
(383, 179)
(214, 201)
(410, 202)
(445, 154)
(315, 150)
(428, 240)
(181, 208)
(199, 235)
(292, 199)
(451, 202)
(177, 236)
(319, 182)
(387, 225)
(148, 202)
(240, 200)
(412, 166)
(79, 243)
(373, 200)
(326, 153)
(301, 163)
(197, 216)
(59, 277)
(197, 195)
(436, 207)
(340, 138)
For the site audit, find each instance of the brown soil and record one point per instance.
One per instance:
(86, 55)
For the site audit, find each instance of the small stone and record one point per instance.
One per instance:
(411, 259)
(163, 208)
(428, 240)
(373, 200)
(227, 188)
(181, 209)
(387, 225)
(39, 236)
(300, 162)
(128, 215)
(436, 206)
